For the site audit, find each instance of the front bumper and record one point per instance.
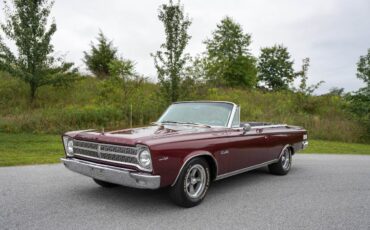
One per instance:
(112, 174)
(304, 144)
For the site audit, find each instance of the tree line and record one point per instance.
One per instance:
(226, 61)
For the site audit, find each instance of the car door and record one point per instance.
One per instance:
(248, 149)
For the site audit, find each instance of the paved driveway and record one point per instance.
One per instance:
(320, 192)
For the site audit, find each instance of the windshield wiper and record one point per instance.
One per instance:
(183, 123)
(167, 122)
(193, 123)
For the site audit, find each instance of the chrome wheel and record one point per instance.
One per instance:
(195, 181)
(285, 159)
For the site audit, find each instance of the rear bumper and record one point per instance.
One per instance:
(113, 175)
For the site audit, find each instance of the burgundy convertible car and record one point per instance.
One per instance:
(191, 145)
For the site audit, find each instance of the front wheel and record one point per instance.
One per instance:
(284, 164)
(192, 184)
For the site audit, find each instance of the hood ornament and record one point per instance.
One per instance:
(102, 131)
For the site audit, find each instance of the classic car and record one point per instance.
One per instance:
(192, 144)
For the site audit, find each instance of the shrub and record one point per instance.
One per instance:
(94, 104)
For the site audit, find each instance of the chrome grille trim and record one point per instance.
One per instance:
(106, 152)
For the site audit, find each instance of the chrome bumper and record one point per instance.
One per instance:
(112, 174)
(304, 144)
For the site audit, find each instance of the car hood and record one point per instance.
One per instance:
(143, 135)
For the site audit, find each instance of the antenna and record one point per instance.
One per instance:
(131, 115)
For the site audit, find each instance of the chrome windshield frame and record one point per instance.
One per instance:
(230, 118)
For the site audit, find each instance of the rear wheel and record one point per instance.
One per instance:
(192, 184)
(104, 183)
(284, 164)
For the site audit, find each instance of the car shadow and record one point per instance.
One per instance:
(159, 200)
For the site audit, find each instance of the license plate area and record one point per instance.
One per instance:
(98, 173)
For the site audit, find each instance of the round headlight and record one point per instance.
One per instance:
(70, 147)
(145, 159)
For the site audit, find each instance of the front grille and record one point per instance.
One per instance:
(115, 153)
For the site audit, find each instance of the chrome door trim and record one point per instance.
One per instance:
(229, 174)
(238, 171)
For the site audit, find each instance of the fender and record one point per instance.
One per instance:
(191, 156)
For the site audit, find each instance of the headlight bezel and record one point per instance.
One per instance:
(142, 149)
(67, 148)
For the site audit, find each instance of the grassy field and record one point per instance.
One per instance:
(319, 146)
(26, 149)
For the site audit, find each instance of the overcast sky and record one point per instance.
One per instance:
(332, 33)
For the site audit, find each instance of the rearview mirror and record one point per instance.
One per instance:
(246, 128)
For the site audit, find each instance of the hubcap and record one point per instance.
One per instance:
(285, 159)
(195, 181)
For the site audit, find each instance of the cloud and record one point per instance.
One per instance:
(333, 33)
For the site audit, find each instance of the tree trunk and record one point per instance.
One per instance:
(32, 93)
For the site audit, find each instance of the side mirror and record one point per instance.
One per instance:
(246, 128)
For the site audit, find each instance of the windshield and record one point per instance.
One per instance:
(206, 113)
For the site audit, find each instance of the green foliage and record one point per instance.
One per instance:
(27, 26)
(359, 102)
(91, 103)
(275, 67)
(98, 58)
(303, 87)
(359, 105)
(170, 60)
(336, 91)
(228, 61)
(363, 68)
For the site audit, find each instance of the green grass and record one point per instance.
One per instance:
(319, 146)
(26, 149)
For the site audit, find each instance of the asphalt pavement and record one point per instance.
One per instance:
(320, 192)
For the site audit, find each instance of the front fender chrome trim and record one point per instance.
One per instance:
(197, 155)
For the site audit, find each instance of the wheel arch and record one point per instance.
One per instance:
(289, 146)
(211, 160)
(292, 151)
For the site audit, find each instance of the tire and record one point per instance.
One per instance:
(282, 167)
(104, 183)
(192, 185)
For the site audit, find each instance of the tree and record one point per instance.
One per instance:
(336, 91)
(275, 67)
(98, 58)
(170, 60)
(26, 25)
(359, 101)
(363, 68)
(303, 87)
(123, 74)
(229, 62)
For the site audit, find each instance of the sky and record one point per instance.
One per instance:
(332, 33)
